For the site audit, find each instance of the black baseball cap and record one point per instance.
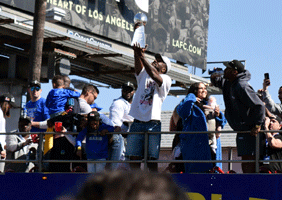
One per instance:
(27, 118)
(165, 60)
(93, 116)
(128, 84)
(276, 117)
(34, 83)
(235, 64)
(8, 98)
(94, 105)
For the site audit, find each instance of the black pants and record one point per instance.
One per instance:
(62, 150)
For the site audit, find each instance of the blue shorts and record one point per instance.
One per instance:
(135, 142)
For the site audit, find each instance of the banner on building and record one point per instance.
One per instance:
(177, 29)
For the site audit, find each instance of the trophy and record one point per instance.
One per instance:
(139, 33)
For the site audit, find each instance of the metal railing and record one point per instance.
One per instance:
(39, 161)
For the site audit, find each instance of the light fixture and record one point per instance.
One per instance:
(63, 67)
(55, 14)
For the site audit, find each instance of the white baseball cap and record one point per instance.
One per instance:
(165, 60)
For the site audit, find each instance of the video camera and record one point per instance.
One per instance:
(218, 71)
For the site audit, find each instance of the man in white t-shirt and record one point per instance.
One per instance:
(119, 115)
(153, 87)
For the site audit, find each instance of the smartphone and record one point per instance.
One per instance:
(266, 76)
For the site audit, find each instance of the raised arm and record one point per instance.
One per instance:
(141, 61)
(137, 59)
(152, 71)
(184, 109)
(272, 141)
(270, 104)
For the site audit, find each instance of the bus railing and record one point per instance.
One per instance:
(39, 161)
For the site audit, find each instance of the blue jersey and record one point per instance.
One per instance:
(57, 99)
(96, 144)
(38, 112)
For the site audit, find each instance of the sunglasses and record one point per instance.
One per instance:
(35, 88)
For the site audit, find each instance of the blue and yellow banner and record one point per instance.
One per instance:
(47, 186)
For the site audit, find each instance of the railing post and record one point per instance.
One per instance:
(230, 167)
(40, 145)
(146, 151)
(257, 152)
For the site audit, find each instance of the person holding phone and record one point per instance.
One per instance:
(20, 147)
(275, 108)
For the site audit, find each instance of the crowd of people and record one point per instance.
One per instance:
(99, 138)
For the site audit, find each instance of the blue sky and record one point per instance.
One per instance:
(238, 29)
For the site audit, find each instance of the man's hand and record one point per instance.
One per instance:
(198, 99)
(3, 154)
(117, 129)
(137, 25)
(138, 51)
(104, 132)
(64, 130)
(217, 111)
(260, 91)
(27, 142)
(266, 123)
(266, 83)
(50, 123)
(255, 131)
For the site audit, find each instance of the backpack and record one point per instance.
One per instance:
(72, 105)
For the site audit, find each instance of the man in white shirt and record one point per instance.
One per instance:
(88, 95)
(119, 115)
(153, 87)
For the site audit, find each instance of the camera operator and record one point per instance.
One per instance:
(272, 145)
(275, 108)
(18, 148)
(244, 110)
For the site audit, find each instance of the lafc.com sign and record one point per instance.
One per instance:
(198, 196)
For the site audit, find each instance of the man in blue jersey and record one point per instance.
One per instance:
(36, 108)
(96, 142)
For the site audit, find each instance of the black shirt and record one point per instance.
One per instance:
(274, 154)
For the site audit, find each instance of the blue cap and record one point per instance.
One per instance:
(94, 105)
